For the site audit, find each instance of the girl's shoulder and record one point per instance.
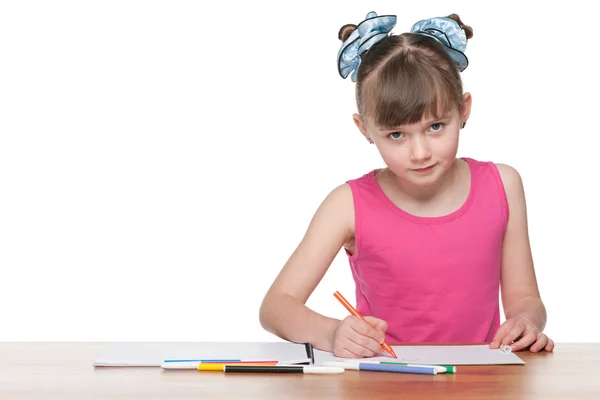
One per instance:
(508, 179)
(513, 184)
(341, 202)
(338, 208)
(509, 176)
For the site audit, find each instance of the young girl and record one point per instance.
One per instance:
(431, 238)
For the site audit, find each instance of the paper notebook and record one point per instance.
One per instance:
(438, 355)
(154, 354)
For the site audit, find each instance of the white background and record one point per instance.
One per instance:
(160, 160)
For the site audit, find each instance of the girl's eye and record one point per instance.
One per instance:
(396, 135)
(437, 127)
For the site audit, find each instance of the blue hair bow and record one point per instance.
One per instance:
(374, 28)
(367, 33)
(449, 33)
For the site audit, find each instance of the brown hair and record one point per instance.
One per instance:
(405, 77)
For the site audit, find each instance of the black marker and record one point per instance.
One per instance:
(285, 369)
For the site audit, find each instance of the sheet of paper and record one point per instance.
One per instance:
(441, 355)
(153, 354)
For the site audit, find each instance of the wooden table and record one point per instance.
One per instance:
(65, 371)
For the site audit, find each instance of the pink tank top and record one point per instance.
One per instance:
(433, 279)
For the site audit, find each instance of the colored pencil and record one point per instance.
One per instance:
(353, 311)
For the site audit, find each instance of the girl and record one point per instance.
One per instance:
(431, 238)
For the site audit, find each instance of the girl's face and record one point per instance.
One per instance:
(419, 153)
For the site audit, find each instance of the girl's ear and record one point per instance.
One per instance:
(465, 109)
(361, 126)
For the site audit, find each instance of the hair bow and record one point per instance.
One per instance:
(367, 33)
(449, 33)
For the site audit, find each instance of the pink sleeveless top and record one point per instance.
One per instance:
(433, 279)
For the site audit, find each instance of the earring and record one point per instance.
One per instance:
(463, 124)
(370, 140)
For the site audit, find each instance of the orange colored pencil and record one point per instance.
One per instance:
(353, 311)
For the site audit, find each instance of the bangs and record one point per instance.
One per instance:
(408, 88)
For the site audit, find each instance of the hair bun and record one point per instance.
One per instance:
(467, 28)
(346, 31)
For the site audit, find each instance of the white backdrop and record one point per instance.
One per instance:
(160, 160)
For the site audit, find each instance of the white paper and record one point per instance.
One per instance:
(439, 355)
(154, 354)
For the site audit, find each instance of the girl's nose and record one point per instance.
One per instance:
(420, 150)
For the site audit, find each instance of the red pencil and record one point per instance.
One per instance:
(353, 311)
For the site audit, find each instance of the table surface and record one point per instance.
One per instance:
(65, 371)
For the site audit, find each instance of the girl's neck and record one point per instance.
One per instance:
(405, 192)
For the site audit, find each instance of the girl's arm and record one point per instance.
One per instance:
(283, 311)
(523, 307)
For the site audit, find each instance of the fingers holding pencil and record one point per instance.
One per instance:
(355, 338)
(378, 324)
(366, 331)
(381, 326)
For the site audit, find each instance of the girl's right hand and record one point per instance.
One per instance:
(355, 338)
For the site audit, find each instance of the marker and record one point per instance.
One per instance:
(205, 360)
(285, 369)
(424, 370)
(193, 364)
(439, 368)
(221, 367)
(196, 364)
(353, 311)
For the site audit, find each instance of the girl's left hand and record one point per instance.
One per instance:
(523, 333)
